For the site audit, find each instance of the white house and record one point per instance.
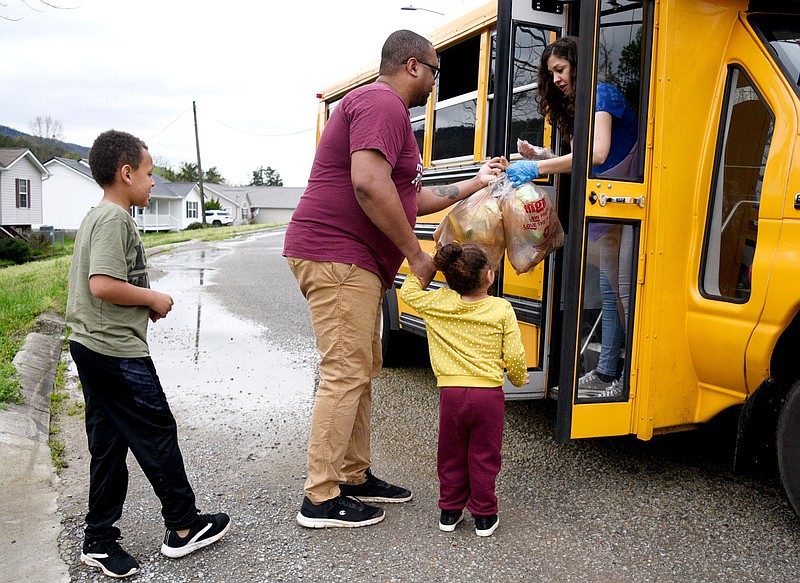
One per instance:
(21, 176)
(69, 193)
(176, 205)
(256, 204)
(274, 204)
(166, 210)
(234, 199)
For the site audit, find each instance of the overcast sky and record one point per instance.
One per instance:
(253, 68)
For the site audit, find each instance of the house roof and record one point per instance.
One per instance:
(238, 195)
(165, 189)
(277, 197)
(80, 166)
(10, 156)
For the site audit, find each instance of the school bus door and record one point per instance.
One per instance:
(604, 234)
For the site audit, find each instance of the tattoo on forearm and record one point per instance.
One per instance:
(447, 190)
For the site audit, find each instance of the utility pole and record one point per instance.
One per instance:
(199, 167)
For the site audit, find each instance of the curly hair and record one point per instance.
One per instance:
(401, 46)
(463, 266)
(111, 150)
(555, 107)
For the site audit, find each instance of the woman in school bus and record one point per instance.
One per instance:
(614, 153)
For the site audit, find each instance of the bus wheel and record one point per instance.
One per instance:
(788, 446)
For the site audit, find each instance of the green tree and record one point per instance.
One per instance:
(266, 177)
(187, 172)
(166, 172)
(629, 70)
(212, 205)
(212, 175)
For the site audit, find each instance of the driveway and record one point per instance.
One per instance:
(237, 360)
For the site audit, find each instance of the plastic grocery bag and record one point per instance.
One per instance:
(530, 223)
(476, 219)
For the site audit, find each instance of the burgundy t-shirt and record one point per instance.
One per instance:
(328, 223)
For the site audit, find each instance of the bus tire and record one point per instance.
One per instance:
(788, 446)
(388, 336)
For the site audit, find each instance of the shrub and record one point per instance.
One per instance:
(194, 226)
(213, 205)
(40, 244)
(15, 250)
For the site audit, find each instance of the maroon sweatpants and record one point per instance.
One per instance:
(470, 438)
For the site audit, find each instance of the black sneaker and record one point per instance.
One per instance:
(339, 511)
(375, 490)
(207, 529)
(486, 525)
(110, 557)
(449, 519)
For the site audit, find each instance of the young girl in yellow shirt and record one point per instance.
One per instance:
(472, 338)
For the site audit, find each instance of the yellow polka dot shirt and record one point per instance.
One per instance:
(470, 343)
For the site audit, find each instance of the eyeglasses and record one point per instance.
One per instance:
(431, 67)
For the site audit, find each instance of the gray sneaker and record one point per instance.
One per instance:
(615, 390)
(590, 385)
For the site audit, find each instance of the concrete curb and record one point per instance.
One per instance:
(28, 496)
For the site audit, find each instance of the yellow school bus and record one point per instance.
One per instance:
(707, 224)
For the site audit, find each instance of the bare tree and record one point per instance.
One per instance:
(35, 5)
(47, 128)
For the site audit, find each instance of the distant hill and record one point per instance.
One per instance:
(80, 151)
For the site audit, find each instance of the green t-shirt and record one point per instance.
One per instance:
(108, 243)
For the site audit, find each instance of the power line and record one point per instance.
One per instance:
(168, 125)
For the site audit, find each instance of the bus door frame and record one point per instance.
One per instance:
(511, 13)
(595, 419)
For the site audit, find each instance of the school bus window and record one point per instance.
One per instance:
(781, 34)
(732, 222)
(456, 101)
(526, 121)
(331, 106)
(619, 64)
(417, 115)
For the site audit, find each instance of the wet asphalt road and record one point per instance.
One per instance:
(237, 360)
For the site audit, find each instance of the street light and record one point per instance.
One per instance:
(418, 8)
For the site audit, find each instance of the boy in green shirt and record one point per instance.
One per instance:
(108, 307)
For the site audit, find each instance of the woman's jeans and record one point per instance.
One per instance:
(615, 285)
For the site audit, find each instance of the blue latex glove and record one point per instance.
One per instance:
(522, 171)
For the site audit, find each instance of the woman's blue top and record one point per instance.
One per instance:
(624, 126)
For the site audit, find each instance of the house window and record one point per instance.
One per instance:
(191, 209)
(23, 193)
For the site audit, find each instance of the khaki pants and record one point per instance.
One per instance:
(345, 305)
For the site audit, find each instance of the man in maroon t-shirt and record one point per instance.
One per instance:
(348, 236)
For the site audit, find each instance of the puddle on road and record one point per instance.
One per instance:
(210, 361)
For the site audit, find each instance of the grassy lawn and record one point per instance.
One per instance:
(30, 289)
